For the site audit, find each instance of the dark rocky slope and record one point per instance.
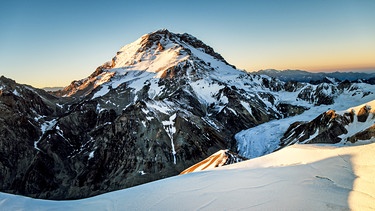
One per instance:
(331, 127)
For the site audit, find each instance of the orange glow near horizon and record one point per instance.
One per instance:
(317, 68)
(314, 63)
(314, 68)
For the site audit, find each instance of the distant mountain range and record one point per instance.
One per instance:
(305, 76)
(52, 89)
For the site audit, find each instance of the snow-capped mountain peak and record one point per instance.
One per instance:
(158, 51)
(160, 54)
(154, 52)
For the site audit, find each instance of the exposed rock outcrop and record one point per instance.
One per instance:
(331, 127)
(220, 158)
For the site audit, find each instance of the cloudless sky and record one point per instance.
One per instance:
(51, 43)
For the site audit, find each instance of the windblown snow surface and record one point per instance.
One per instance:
(298, 177)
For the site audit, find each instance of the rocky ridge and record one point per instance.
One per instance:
(333, 127)
(318, 77)
(218, 159)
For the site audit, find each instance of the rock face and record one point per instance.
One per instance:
(323, 93)
(162, 104)
(23, 110)
(220, 158)
(331, 127)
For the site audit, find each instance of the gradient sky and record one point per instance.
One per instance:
(51, 43)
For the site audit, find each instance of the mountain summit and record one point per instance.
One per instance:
(160, 54)
(172, 48)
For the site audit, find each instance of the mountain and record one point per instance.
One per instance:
(52, 89)
(316, 78)
(163, 103)
(298, 177)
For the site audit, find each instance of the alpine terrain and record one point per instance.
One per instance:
(163, 104)
(304, 76)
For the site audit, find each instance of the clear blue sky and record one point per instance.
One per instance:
(51, 43)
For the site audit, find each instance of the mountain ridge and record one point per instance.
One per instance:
(142, 55)
(317, 77)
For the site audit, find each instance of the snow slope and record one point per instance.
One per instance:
(299, 177)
